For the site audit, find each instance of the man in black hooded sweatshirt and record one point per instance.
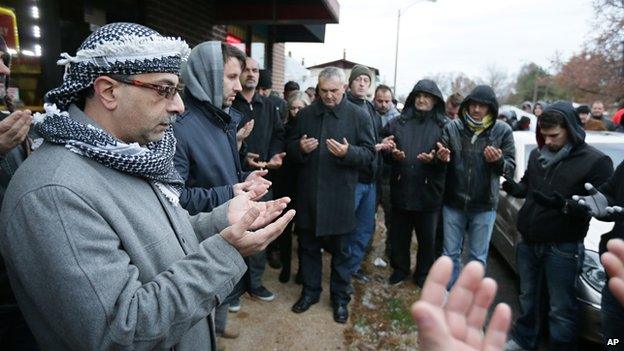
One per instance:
(553, 226)
(478, 149)
(416, 181)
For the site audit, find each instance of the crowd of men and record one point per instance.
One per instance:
(146, 210)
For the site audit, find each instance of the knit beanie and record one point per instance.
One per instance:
(359, 70)
(265, 81)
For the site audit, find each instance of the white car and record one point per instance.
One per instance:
(505, 236)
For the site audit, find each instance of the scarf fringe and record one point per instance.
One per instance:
(130, 48)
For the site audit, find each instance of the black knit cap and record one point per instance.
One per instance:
(265, 82)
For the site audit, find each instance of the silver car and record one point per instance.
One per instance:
(506, 236)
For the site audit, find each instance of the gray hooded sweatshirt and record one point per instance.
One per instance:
(206, 153)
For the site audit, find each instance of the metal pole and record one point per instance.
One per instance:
(396, 53)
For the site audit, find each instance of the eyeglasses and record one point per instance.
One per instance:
(166, 91)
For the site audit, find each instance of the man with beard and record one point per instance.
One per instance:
(417, 180)
(207, 156)
(333, 140)
(265, 149)
(478, 149)
(14, 148)
(553, 227)
(206, 152)
(383, 104)
(98, 250)
(386, 109)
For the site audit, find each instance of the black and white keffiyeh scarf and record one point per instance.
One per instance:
(153, 161)
(116, 48)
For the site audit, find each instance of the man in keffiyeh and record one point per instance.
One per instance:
(98, 251)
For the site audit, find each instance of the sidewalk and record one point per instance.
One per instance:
(273, 326)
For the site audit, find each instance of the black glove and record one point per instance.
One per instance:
(554, 201)
(574, 209)
(512, 188)
(558, 202)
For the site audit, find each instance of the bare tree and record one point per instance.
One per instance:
(497, 78)
(453, 82)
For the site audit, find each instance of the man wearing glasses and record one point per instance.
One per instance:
(98, 250)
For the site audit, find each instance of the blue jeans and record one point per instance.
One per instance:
(478, 226)
(365, 201)
(612, 318)
(548, 270)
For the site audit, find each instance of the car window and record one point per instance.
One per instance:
(615, 151)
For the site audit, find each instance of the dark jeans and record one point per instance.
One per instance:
(424, 223)
(14, 333)
(612, 318)
(548, 269)
(312, 265)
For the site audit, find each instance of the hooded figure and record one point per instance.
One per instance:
(553, 227)
(416, 132)
(481, 151)
(206, 152)
(563, 171)
(416, 186)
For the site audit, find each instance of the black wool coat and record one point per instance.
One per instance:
(326, 183)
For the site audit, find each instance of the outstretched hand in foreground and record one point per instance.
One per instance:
(613, 261)
(457, 324)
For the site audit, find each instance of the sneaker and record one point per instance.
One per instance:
(235, 306)
(512, 345)
(262, 293)
(397, 278)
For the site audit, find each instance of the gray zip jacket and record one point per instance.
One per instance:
(100, 260)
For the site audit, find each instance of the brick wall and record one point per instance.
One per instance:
(278, 68)
(188, 19)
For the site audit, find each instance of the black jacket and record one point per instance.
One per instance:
(326, 183)
(267, 137)
(206, 155)
(472, 184)
(370, 173)
(417, 186)
(280, 105)
(585, 164)
(613, 189)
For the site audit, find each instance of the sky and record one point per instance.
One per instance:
(451, 36)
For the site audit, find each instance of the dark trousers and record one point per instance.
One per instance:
(552, 269)
(384, 199)
(284, 243)
(312, 265)
(424, 223)
(612, 318)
